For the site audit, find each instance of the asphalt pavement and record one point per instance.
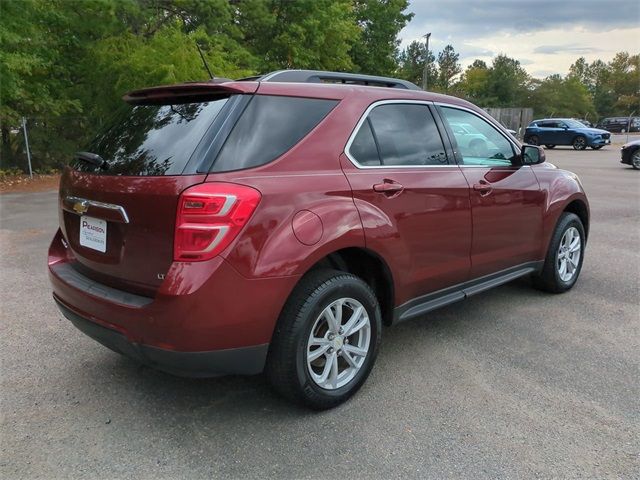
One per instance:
(512, 383)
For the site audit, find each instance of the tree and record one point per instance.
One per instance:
(313, 34)
(473, 83)
(562, 97)
(448, 67)
(379, 21)
(412, 61)
(506, 83)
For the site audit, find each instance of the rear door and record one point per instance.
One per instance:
(412, 198)
(119, 217)
(506, 200)
(550, 133)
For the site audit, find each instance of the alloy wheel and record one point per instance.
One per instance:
(635, 159)
(568, 256)
(579, 143)
(338, 344)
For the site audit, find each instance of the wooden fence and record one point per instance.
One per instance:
(513, 118)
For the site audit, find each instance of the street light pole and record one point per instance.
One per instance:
(426, 63)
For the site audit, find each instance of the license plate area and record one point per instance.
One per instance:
(93, 233)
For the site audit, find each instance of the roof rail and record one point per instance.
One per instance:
(319, 76)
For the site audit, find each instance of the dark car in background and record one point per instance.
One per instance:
(630, 154)
(620, 124)
(565, 131)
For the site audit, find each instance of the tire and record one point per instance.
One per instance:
(533, 140)
(289, 368)
(579, 143)
(550, 279)
(550, 147)
(597, 147)
(635, 159)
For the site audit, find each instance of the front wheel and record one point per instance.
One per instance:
(533, 140)
(326, 340)
(563, 262)
(635, 159)
(579, 143)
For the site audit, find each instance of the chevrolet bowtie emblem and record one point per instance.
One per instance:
(81, 207)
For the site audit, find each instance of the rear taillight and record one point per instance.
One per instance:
(210, 216)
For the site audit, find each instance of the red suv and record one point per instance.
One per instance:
(276, 223)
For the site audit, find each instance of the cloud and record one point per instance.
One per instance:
(545, 35)
(470, 19)
(572, 49)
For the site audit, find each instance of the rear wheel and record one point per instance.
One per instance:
(326, 340)
(579, 143)
(563, 262)
(550, 146)
(533, 140)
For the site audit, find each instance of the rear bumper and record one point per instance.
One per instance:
(242, 361)
(205, 319)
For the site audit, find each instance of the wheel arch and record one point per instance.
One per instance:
(579, 207)
(370, 267)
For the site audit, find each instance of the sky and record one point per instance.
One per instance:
(545, 36)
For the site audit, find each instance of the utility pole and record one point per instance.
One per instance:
(426, 63)
(26, 142)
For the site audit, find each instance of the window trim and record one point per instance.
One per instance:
(454, 144)
(365, 117)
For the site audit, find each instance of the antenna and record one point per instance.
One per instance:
(204, 61)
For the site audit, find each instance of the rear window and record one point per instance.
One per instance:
(152, 139)
(269, 126)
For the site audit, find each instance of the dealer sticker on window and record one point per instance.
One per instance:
(93, 233)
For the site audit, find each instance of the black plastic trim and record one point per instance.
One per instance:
(426, 303)
(233, 361)
(70, 275)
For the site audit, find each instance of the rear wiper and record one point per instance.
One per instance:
(92, 158)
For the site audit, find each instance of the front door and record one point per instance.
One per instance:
(506, 200)
(412, 198)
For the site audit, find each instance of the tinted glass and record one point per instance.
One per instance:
(268, 127)
(152, 139)
(363, 148)
(482, 144)
(407, 135)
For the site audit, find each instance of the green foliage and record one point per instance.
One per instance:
(380, 22)
(412, 62)
(565, 97)
(448, 67)
(313, 34)
(65, 64)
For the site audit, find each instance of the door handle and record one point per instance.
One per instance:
(390, 188)
(483, 188)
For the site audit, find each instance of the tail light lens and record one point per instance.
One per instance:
(210, 216)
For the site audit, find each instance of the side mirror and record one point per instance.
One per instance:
(532, 155)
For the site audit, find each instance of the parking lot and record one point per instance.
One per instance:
(511, 383)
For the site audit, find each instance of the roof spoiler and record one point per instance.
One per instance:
(189, 92)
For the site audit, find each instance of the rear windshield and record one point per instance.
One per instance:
(161, 139)
(152, 139)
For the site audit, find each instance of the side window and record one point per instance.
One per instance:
(363, 148)
(269, 126)
(406, 134)
(483, 144)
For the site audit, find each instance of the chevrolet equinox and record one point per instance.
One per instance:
(275, 223)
